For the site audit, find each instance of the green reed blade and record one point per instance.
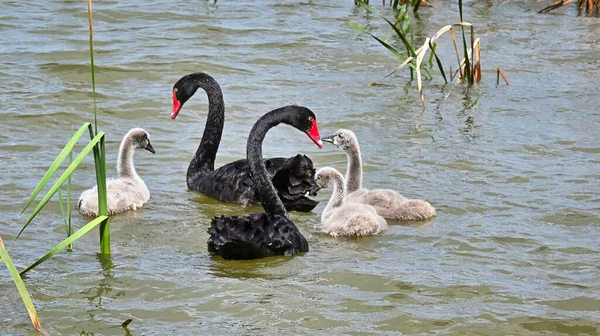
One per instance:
(91, 29)
(62, 208)
(383, 43)
(62, 179)
(465, 47)
(54, 166)
(69, 215)
(416, 5)
(437, 60)
(35, 320)
(100, 160)
(78, 234)
(398, 32)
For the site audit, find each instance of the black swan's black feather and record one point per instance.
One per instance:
(255, 235)
(231, 183)
(271, 233)
(294, 179)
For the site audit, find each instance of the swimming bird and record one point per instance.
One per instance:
(272, 232)
(293, 177)
(342, 217)
(388, 203)
(128, 191)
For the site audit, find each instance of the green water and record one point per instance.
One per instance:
(513, 171)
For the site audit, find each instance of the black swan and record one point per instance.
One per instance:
(388, 203)
(294, 178)
(259, 235)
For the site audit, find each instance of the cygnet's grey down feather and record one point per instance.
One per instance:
(128, 191)
(388, 203)
(342, 217)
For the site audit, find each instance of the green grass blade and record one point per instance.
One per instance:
(465, 47)
(383, 43)
(78, 234)
(35, 320)
(416, 5)
(467, 61)
(100, 160)
(398, 32)
(69, 215)
(62, 208)
(91, 29)
(54, 166)
(437, 60)
(62, 179)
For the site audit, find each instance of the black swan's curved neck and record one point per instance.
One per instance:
(263, 184)
(204, 159)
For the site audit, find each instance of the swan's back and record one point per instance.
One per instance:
(254, 236)
(390, 204)
(121, 195)
(353, 219)
(292, 177)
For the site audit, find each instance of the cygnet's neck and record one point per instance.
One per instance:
(354, 172)
(337, 197)
(125, 166)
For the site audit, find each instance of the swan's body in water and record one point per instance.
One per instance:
(128, 191)
(388, 203)
(342, 217)
(293, 177)
(259, 235)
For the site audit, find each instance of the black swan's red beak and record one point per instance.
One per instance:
(176, 105)
(313, 133)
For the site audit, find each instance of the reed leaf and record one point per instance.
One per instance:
(100, 162)
(78, 234)
(400, 34)
(438, 61)
(63, 178)
(91, 30)
(54, 166)
(99, 150)
(383, 43)
(35, 320)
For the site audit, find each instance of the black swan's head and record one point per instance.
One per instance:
(186, 87)
(343, 138)
(140, 139)
(305, 120)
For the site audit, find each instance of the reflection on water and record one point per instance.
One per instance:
(512, 170)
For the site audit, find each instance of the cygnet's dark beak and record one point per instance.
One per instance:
(150, 148)
(327, 139)
(314, 190)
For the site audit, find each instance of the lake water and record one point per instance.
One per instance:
(513, 171)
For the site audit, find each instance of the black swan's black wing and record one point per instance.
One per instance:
(254, 236)
(294, 179)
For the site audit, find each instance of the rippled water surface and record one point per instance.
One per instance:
(513, 170)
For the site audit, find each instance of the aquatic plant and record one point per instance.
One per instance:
(21, 288)
(592, 7)
(468, 67)
(95, 145)
(396, 4)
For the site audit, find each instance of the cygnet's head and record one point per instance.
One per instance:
(343, 138)
(140, 139)
(327, 177)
